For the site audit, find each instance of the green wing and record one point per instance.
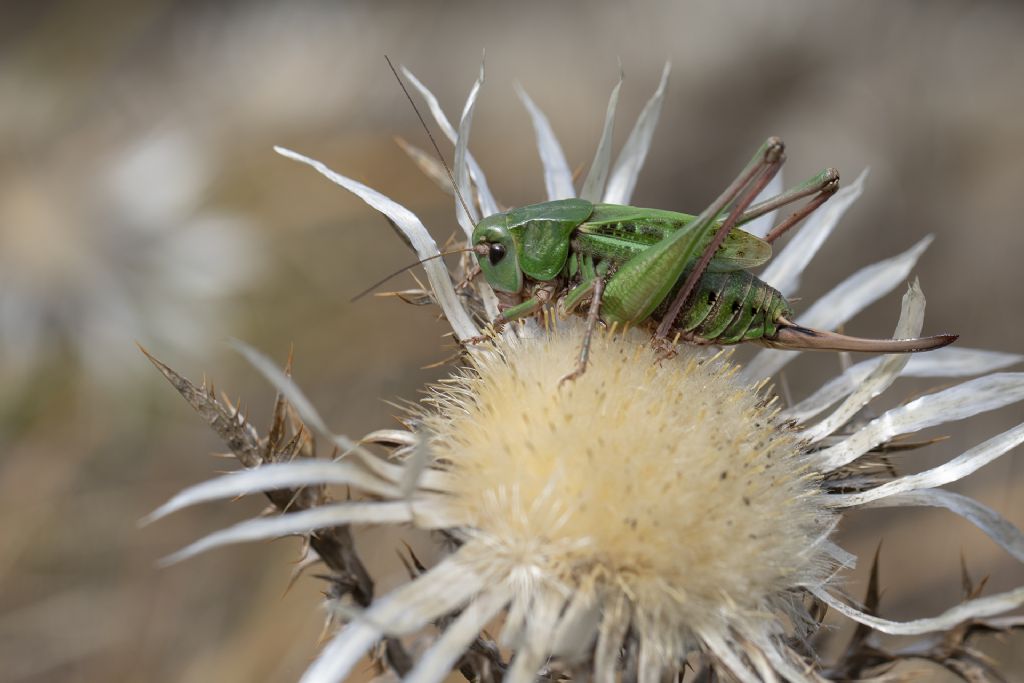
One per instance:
(636, 228)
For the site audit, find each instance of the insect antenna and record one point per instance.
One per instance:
(462, 200)
(412, 265)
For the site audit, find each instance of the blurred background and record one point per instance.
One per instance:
(140, 200)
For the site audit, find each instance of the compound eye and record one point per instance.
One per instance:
(495, 253)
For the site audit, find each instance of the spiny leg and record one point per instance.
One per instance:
(802, 213)
(645, 281)
(527, 308)
(822, 186)
(588, 333)
(811, 186)
(758, 173)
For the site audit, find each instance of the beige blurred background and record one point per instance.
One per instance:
(140, 200)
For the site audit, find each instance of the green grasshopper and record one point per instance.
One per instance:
(688, 274)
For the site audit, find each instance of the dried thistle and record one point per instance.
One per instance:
(650, 518)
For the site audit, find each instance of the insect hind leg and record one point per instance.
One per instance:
(741, 193)
(821, 187)
(828, 184)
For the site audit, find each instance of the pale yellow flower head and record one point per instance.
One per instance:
(670, 487)
(670, 481)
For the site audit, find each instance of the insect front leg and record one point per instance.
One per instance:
(510, 314)
(758, 173)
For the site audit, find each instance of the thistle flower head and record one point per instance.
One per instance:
(672, 481)
(670, 488)
(650, 514)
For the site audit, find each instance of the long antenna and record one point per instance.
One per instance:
(412, 265)
(465, 207)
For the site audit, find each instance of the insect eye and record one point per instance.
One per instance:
(495, 253)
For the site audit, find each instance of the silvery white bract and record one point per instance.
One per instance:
(647, 513)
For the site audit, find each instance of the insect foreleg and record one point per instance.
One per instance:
(758, 173)
(526, 308)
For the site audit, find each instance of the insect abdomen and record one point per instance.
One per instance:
(728, 308)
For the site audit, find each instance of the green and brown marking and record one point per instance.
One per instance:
(688, 274)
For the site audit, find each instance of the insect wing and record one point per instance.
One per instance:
(740, 251)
